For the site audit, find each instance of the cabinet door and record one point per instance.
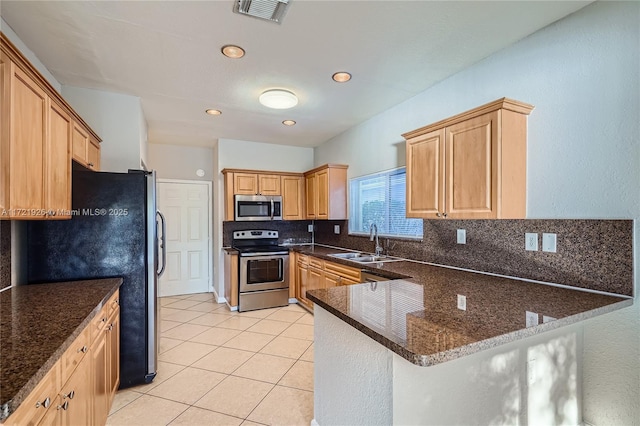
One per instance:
(331, 280)
(292, 194)
(425, 175)
(322, 188)
(28, 140)
(311, 195)
(315, 279)
(231, 278)
(113, 354)
(80, 142)
(5, 119)
(77, 395)
(302, 283)
(58, 163)
(93, 155)
(245, 183)
(100, 377)
(269, 185)
(471, 168)
(39, 404)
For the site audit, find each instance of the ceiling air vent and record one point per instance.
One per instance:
(270, 10)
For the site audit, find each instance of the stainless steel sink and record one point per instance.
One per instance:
(347, 255)
(364, 257)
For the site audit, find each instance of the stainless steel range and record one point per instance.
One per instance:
(264, 270)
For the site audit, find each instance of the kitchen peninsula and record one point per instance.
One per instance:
(410, 351)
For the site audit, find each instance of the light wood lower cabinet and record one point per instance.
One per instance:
(314, 273)
(80, 387)
(231, 278)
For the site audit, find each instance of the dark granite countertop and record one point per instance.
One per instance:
(417, 316)
(37, 324)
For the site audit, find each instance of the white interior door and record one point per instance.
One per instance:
(185, 206)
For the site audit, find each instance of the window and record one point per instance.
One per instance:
(380, 198)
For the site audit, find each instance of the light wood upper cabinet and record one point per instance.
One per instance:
(86, 150)
(326, 192)
(292, 197)
(470, 166)
(58, 166)
(256, 184)
(37, 135)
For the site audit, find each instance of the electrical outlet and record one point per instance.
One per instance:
(531, 319)
(462, 302)
(546, 318)
(336, 229)
(462, 236)
(549, 242)
(310, 228)
(531, 241)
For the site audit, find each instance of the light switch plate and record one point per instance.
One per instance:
(549, 242)
(462, 236)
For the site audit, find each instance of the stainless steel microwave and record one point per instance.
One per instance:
(258, 207)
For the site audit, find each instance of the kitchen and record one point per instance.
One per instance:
(582, 141)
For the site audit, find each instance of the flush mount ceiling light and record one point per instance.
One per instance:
(278, 99)
(232, 51)
(270, 10)
(213, 111)
(341, 77)
(289, 122)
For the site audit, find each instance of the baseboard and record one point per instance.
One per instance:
(293, 300)
(314, 423)
(218, 298)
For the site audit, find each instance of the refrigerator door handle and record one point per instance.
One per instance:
(163, 242)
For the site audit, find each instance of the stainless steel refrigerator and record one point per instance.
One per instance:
(114, 232)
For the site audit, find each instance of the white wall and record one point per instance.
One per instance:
(13, 37)
(237, 154)
(582, 74)
(117, 119)
(181, 162)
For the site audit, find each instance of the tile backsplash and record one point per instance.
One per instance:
(290, 231)
(5, 254)
(591, 254)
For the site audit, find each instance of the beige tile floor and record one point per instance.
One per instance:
(218, 367)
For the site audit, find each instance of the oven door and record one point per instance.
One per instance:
(266, 272)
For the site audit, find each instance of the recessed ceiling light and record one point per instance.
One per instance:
(341, 77)
(278, 99)
(232, 51)
(289, 122)
(213, 111)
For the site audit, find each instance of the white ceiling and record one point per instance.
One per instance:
(168, 54)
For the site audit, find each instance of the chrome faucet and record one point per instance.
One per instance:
(373, 232)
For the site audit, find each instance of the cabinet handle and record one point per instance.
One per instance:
(46, 403)
(90, 164)
(70, 395)
(444, 214)
(110, 327)
(104, 319)
(83, 349)
(63, 406)
(438, 214)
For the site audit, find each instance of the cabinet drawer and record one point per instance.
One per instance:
(315, 262)
(303, 259)
(74, 354)
(39, 401)
(113, 303)
(342, 270)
